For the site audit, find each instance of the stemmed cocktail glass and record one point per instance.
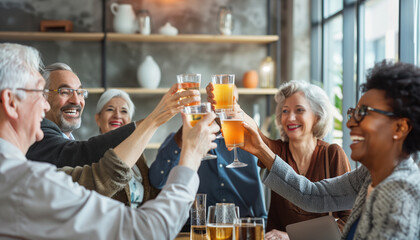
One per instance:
(233, 132)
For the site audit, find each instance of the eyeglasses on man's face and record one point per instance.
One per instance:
(68, 92)
(44, 92)
(361, 111)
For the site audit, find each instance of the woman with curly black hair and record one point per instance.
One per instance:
(384, 192)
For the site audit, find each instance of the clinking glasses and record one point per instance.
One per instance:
(361, 111)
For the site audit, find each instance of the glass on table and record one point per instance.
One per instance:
(188, 82)
(249, 228)
(220, 221)
(233, 132)
(198, 218)
(223, 91)
(194, 114)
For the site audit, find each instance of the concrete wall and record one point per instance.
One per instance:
(123, 59)
(295, 48)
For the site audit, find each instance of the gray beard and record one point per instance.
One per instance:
(65, 126)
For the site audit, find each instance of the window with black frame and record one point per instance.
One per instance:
(348, 37)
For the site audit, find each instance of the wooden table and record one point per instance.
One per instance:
(183, 236)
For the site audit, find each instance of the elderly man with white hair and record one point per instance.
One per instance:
(37, 202)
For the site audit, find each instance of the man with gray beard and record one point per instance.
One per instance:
(67, 98)
(67, 101)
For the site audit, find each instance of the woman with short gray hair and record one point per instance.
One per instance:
(304, 117)
(113, 110)
(318, 101)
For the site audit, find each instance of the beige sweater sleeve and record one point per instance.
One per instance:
(108, 176)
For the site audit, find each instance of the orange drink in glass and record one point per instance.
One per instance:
(233, 132)
(188, 82)
(223, 91)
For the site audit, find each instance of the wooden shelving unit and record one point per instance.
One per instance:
(51, 36)
(118, 37)
(145, 91)
(198, 38)
(103, 38)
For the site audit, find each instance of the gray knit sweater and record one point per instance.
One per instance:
(392, 210)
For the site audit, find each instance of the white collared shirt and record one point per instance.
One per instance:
(37, 202)
(67, 137)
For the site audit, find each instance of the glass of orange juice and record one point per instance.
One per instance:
(233, 132)
(194, 114)
(188, 81)
(223, 91)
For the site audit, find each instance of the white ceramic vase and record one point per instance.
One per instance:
(148, 73)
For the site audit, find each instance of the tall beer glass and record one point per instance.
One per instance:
(198, 218)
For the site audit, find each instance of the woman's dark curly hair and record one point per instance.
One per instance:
(401, 83)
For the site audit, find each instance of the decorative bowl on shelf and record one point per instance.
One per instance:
(168, 29)
(250, 79)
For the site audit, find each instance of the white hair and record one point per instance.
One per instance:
(54, 67)
(113, 93)
(318, 101)
(18, 65)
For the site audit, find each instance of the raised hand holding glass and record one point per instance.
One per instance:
(194, 114)
(189, 82)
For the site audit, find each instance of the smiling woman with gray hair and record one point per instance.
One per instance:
(384, 191)
(113, 93)
(303, 117)
(113, 110)
(317, 100)
(113, 102)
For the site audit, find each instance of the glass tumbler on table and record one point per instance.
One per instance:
(194, 114)
(233, 132)
(188, 82)
(249, 229)
(220, 221)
